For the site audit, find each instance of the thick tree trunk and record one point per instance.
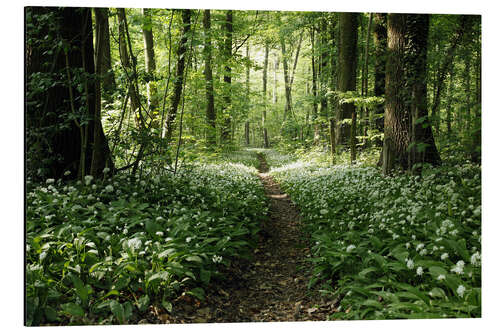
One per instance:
(179, 74)
(227, 50)
(101, 156)
(406, 115)
(57, 116)
(423, 148)
(209, 83)
(348, 37)
(396, 117)
(264, 96)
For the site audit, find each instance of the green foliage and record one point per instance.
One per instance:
(400, 247)
(103, 251)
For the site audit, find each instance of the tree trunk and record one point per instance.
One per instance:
(149, 56)
(59, 112)
(264, 96)
(406, 115)
(227, 51)
(101, 156)
(348, 37)
(314, 88)
(125, 60)
(323, 77)
(423, 148)
(102, 32)
(179, 74)
(209, 83)
(396, 116)
(380, 42)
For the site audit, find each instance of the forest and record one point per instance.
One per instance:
(208, 166)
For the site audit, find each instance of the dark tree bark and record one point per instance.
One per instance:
(209, 83)
(408, 139)
(57, 114)
(264, 96)
(348, 37)
(179, 74)
(422, 148)
(227, 51)
(102, 39)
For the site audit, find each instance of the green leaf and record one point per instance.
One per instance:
(73, 309)
(118, 311)
(80, 288)
(205, 275)
(194, 259)
(143, 303)
(167, 305)
(51, 314)
(199, 293)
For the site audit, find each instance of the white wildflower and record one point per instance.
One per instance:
(159, 233)
(410, 264)
(475, 259)
(188, 239)
(350, 248)
(109, 188)
(444, 256)
(441, 277)
(461, 291)
(50, 181)
(420, 271)
(420, 246)
(88, 179)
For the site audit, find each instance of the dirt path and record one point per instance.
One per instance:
(273, 287)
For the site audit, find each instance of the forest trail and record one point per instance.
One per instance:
(273, 287)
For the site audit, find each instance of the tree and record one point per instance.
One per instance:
(227, 51)
(406, 117)
(348, 38)
(380, 41)
(179, 73)
(209, 84)
(102, 39)
(264, 95)
(60, 121)
(149, 56)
